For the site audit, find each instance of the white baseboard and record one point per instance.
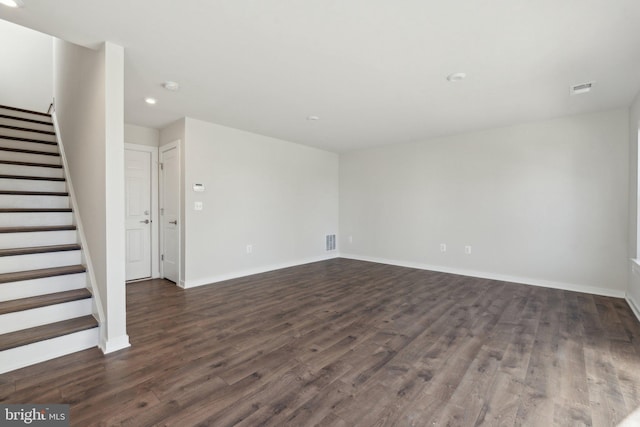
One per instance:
(114, 344)
(634, 307)
(237, 274)
(494, 276)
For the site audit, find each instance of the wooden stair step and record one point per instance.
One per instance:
(34, 193)
(34, 178)
(19, 276)
(41, 333)
(22, 110)
(39, 250)
(44, 132)
(36, 229)
(24, 119)
(43, 300)
(33, 210)
(19, 138)
(20, 150)
(40, 165)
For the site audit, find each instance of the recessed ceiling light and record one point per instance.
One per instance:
(172, 86)
(581, 88)
(151, 101)
(12, 3)
(313, 118)
(456, 77)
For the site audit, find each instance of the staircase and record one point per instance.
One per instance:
(45, 306)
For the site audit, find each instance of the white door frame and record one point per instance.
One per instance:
(155, 217)
(174, 144)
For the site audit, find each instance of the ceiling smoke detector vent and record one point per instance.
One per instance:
(581, 88)
(172, 86)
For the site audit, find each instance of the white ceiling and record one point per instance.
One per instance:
(373, 70)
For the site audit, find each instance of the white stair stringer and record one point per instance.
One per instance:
(25, 319)
(41, 351)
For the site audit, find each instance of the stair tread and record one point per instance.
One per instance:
(28, 210)
(43, 300)
(24, 119)
(36, 229)
(45, 132)
(34, 164)
(19, 276)
(39, 249)
(22, 110)
(41, 333)
(33, 193)
(20, 150)
(36, 141)
(30, 177)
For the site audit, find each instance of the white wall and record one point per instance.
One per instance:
(89, 92)
(633, 290)
(542, 203)
(280, 197)
(26, 79)
(141, 135)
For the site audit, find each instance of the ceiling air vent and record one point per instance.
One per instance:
(581, 88)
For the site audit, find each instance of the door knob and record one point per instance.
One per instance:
(174, 222)
(146, 221)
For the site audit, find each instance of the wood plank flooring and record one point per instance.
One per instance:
(350, 343)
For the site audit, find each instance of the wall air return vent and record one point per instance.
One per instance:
(331, 242)
(581, 88)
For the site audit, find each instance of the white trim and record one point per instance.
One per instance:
(155, 217)
(114, 344)
(250, 272)
(494, 276)
(91, 278)
(177, 145)
(633, 306)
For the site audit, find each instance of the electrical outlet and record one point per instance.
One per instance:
(197, 206)
(350, 239)
(249, 249)
(443, 247)
(467, 250)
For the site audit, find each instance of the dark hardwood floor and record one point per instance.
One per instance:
(344, 343)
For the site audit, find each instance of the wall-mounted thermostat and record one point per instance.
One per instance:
(198, 188)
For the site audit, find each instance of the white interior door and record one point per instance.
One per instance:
(138, 214)
(170, 211)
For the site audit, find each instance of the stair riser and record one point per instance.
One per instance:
(47, 285)
(14, 263)
(20, 320)
(32, 185)
(40, 238)
(32, 171)
(33, 202)
(31, 354)
(27, 134)
(16, 219)
(28, 125)
(24, 145)
(31, 116)
(31, 158)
